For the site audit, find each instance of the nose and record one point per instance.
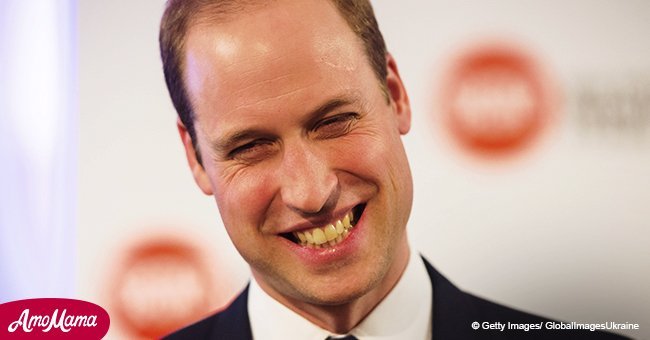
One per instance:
(309, 185)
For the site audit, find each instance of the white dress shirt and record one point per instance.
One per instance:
(405, 313)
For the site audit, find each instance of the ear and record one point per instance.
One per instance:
(398, 97)
(200, 176)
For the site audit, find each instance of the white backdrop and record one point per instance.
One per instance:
(561, 231)
(38, 148)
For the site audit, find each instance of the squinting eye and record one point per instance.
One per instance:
(336, 126)
(253, 151)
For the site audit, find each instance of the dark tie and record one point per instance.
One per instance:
(347, 337)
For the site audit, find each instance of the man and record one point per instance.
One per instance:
(291, 114)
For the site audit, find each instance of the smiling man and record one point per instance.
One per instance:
(291, 114)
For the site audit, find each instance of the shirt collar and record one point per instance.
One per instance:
(411, 298)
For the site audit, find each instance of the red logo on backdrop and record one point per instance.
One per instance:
(162, 285)
(53, 318)
(496, 100)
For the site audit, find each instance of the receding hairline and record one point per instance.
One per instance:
(209, 18)
(210, 14)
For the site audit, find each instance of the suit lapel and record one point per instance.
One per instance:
(234, 322)
(451, 308)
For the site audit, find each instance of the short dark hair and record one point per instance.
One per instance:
(180, 15)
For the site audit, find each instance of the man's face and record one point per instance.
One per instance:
(295, 134)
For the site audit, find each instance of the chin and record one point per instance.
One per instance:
(347, 290)
(337, 298)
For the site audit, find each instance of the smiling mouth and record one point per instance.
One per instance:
(328, 235)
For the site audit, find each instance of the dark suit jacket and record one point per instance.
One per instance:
(454, 312)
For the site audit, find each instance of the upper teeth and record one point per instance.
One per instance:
(331, 234)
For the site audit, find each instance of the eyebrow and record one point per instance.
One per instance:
(224, 145)
(328, 107)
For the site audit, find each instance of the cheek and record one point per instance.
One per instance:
(380, 159)
(371, 153)
(244, 200)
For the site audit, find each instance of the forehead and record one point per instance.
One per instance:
(268, 58)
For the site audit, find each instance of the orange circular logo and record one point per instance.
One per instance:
(162, 285)
(495, 100)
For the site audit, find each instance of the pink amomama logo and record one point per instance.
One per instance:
(52, 318)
